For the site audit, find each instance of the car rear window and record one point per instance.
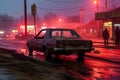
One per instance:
(64, 34)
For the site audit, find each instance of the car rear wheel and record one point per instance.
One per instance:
(57, 59)
(81, 56)
(48, 56)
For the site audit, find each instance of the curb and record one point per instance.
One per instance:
(103, 42)
(20, 55)
(96, 57)
(28, 58)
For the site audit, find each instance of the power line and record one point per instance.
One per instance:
(59, 1)
(60, 9)
(66, 11)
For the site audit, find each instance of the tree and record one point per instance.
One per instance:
(6, 22)
(73, 19)
(50, 18)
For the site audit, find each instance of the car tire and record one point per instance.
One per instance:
(57, 59)
(48, 56)
(80, 56)
(30, 51)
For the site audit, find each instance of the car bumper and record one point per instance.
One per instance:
(74, 49)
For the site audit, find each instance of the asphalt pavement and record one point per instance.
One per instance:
(10, 58)
(110, 53)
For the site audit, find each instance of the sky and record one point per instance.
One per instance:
(63, 8)
(15, 8)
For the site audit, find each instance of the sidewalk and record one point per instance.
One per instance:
(110, 53)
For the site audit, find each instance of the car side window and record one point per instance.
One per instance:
(67, 34)
(56, 33)
(41, 35)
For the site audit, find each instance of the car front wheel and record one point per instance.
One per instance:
(30, 51)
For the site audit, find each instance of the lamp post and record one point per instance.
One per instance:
(97, 26)
(105, 5)
(81, 16)
(96, 3)
(33, 11)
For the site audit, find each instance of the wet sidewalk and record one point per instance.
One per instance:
(110, 53)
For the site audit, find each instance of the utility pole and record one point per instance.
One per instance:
(97, 26)
(81, 10)
(25, 16)
(33, 11)
(81, 16)
(105, 5)
(96, 4)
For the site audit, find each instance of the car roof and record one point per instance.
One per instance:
(57, 29)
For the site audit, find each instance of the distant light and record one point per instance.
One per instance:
(44, 24)
(60, 20)
(28, 27)
(107, 23)
(95, 1)
(43, 27)
(1, 32)
(116, 24)
(22, 26)
(14, 31)
(23, 50)
(54, 27)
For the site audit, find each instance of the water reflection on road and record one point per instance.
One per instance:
(91, 69)
(104, 70)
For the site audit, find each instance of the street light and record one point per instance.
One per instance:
(81, 10)
(60, 20)
(97, 27)
(96, 3)
(33, 11)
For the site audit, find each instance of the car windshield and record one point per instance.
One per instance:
(64, 34)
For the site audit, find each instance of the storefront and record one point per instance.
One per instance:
(110, 20)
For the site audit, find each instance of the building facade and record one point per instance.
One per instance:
(110, 20)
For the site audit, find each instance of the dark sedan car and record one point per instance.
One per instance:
(59, 41)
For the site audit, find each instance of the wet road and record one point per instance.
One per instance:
(104, 70)
(91, 69)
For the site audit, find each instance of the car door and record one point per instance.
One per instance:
(39, 40)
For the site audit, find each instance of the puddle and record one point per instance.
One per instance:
(4, 75)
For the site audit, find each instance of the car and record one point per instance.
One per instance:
(59, 41)
(9, 36)
(21, 36)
